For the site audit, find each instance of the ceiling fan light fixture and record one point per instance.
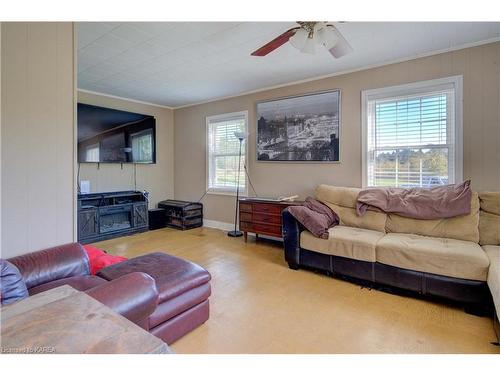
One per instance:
(327, 37)
(299, 39)
(309, 46)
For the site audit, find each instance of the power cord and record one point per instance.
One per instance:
(249, 180)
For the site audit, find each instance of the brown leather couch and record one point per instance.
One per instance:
(169, 303)
(133, 296)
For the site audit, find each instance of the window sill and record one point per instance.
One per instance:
(228, 193)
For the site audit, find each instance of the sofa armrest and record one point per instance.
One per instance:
(133, 295)
(291, 239)
(52, 264)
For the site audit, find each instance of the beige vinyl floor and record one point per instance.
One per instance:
(259, 305)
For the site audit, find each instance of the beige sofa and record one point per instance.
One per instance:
(489, 238)
(454, 258)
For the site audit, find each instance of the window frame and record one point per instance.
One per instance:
(415, 88)
(222, 117)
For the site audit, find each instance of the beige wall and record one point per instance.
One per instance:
(157, 178)
(480, 67)
(37, 131)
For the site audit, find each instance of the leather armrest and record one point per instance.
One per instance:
(133, 295)
(51, 264)
(291, 238)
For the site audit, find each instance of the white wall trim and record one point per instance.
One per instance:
(415, 88)
(218, 225)
(76, 182)
(123, 98)
(228, 227)
(347, 71)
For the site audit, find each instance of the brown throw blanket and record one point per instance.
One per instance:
(315, 216)
(418, 203)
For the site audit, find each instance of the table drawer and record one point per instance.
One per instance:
(245, 207)
(260, 217)
(266, 218)
(267, 208)
(272, 230)
(246, 216)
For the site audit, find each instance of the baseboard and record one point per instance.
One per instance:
(228, 226)
(218, 225)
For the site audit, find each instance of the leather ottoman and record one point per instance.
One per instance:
(183, 288)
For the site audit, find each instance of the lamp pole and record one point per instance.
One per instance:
(237, 233)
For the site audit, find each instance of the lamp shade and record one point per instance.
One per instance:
(309, 46)
(326, 36)
(299, 39)
(240, 135)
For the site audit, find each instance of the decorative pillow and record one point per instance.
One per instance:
(104, 261)
(315, 216)
(98, 259)
(12, 286)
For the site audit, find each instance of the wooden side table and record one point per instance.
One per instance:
(64, 320)
(262, 216)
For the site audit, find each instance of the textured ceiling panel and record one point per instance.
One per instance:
(179, 63)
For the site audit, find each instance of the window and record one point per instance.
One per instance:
(412, 134)
(222, 152)
(92, 153)
(142, 146)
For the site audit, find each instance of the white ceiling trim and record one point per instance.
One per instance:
(366, 67)
(126, 99)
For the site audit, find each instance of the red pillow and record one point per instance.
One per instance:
(93, 252)
(99, 259)
(104, 261)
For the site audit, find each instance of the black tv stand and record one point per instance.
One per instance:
(102, 216)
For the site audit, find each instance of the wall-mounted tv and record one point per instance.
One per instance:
(108, 135)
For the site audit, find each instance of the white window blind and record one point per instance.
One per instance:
(411, 137)
(142, 146)
(92, 153)
(223, 150)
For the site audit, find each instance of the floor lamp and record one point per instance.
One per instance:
(237, 233)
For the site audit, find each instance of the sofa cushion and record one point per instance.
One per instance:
(342, 196)
(81, 283)
(371, 220)
(440, 256)
(489, 228)
(463, 228)
(493, 253)
(490, 202)
(52, 264)
(347, 242)
(12, 286)
(173, 276)
(342, 201)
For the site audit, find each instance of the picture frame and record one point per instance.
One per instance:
(302, 128)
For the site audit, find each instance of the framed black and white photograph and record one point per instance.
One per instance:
(303, 128)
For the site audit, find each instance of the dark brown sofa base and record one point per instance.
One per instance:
(471, 294)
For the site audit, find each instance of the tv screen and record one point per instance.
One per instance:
(108, 135)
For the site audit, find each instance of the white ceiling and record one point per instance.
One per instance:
(180, 63)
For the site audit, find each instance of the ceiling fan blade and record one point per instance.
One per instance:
(342, 47)
(275, 43)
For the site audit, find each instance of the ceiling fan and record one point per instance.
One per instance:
(306, 36)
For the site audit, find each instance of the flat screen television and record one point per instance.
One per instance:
(108, 135)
